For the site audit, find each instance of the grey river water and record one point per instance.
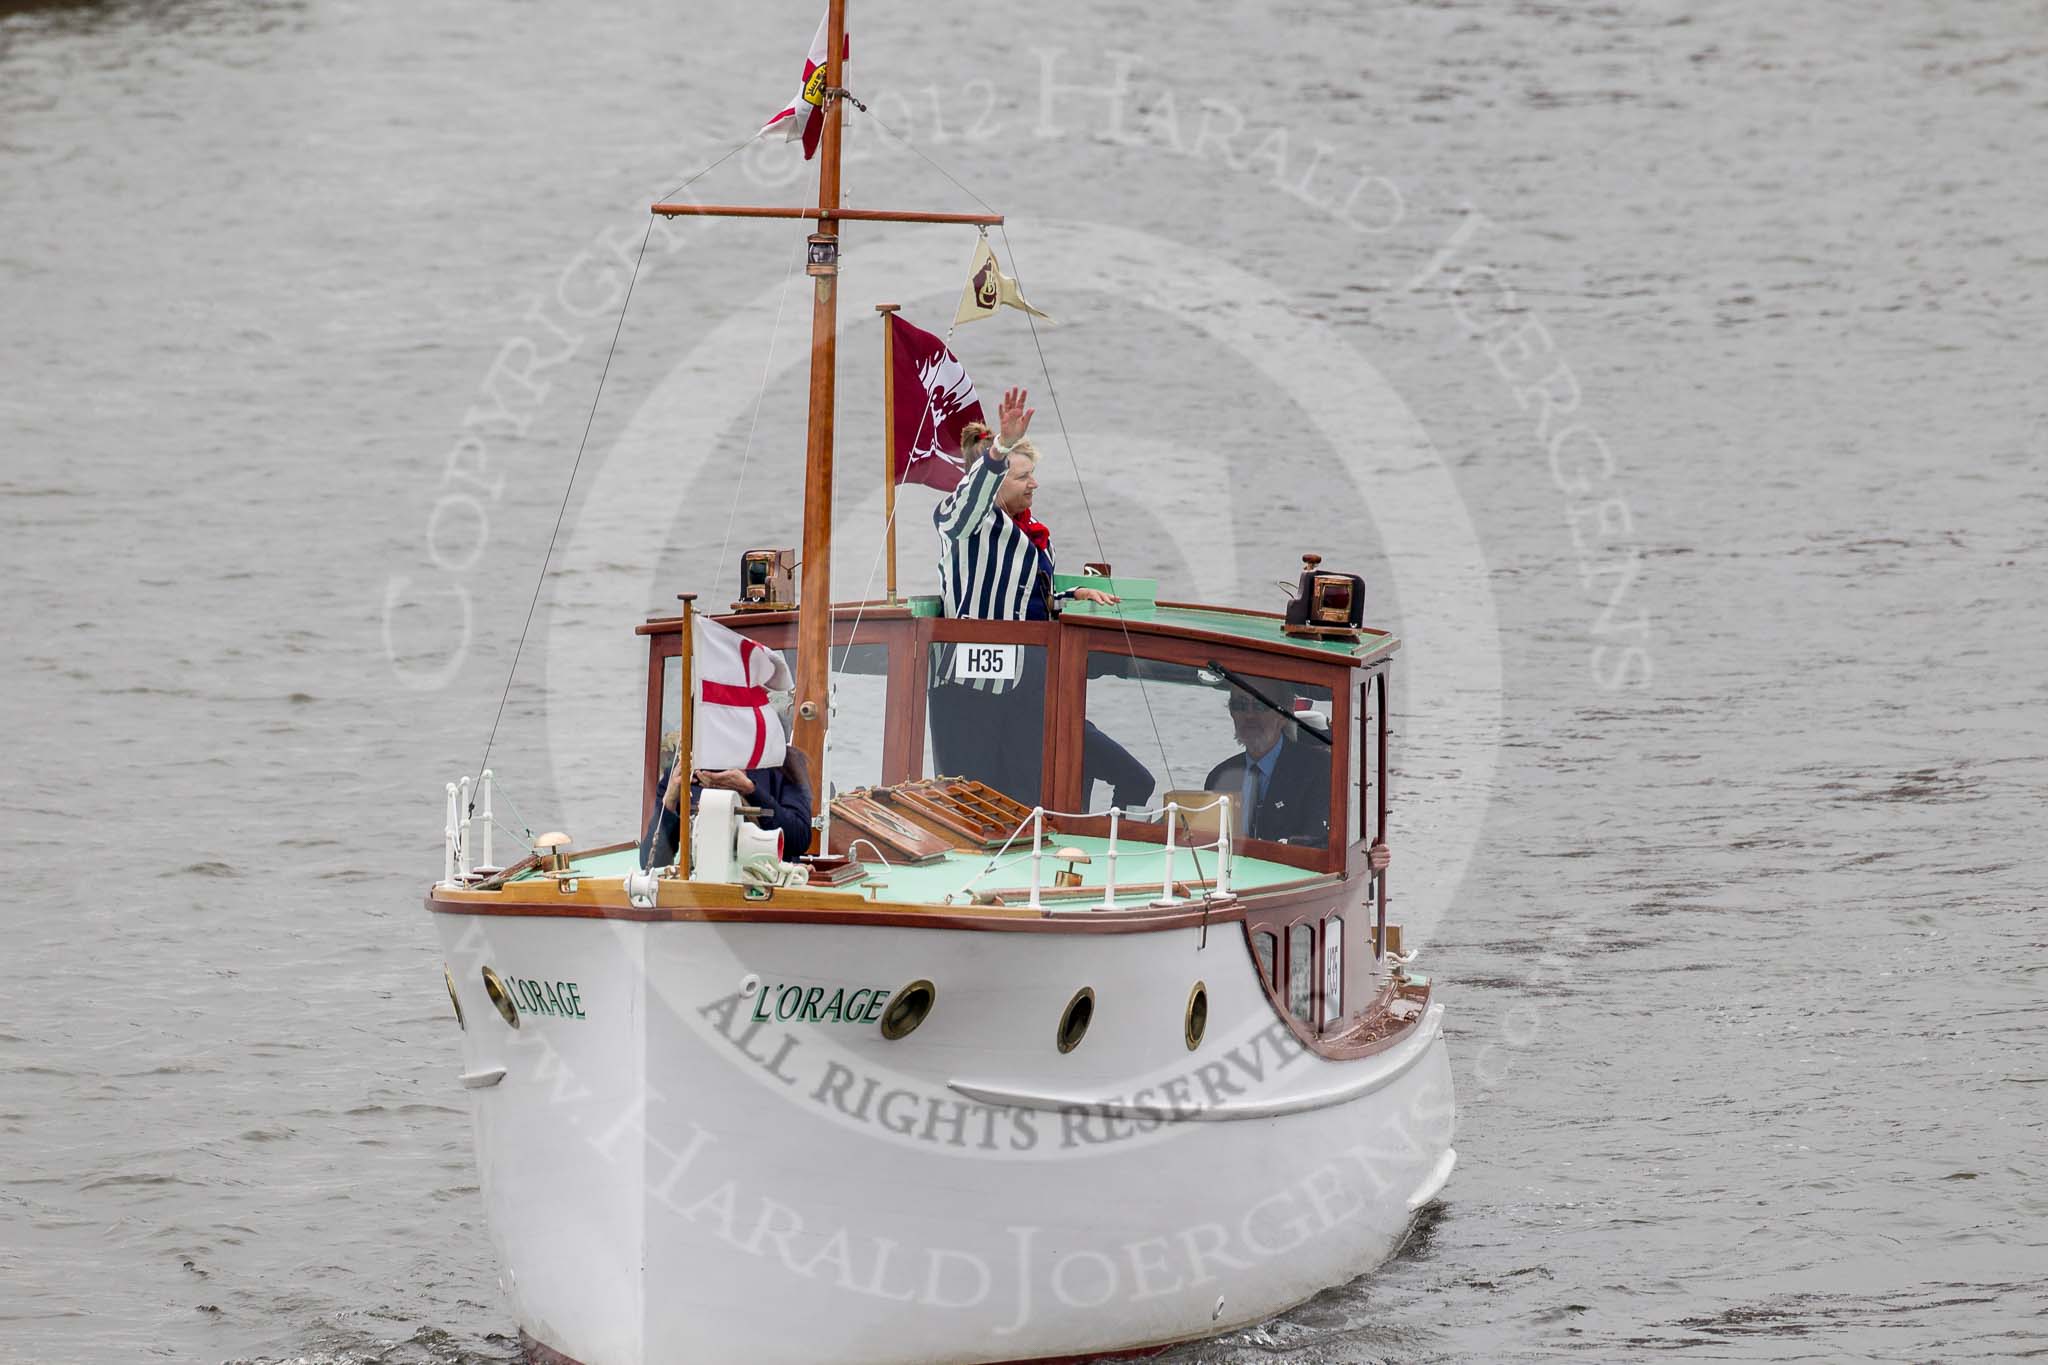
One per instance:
(1746, 969)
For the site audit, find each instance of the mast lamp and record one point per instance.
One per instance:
(823, 257)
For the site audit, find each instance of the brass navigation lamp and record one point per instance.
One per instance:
(767, 581)
(1327, 606)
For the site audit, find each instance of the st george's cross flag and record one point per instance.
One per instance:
(805, 116)
(734, 724)
(935, 398)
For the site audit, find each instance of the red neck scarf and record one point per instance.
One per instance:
(1033, 529)
(1036, 531)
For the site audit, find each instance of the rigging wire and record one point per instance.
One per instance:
(541, 579)
(583, 444)
(724, 157)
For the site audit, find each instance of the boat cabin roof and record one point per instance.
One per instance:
(1138, 611)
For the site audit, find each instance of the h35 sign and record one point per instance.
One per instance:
(985, 663)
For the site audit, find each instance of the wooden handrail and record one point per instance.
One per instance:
(842, 214)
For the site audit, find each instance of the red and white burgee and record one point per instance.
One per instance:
(735, 726)
(804, 118)
(935, 398)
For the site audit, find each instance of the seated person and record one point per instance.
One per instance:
(783, 794)
(1279, 785)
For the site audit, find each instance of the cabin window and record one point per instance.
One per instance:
(985, 715)
(1333, 970)
(1265, 947)
(1156, 730)
(860, 705)
(1371, 776)
(671, 712)
(1301, 966)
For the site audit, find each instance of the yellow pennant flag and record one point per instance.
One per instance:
(989, 288)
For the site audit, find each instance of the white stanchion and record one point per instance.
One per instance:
(1109, 884)
(1223, 828)
(462, 863)
(489, 818)
(1037, 851)
(448, 839)
(1166, 896)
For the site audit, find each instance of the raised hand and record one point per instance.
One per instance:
(1014, 416)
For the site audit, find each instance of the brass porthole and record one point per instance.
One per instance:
(454, 1000)
(907, 1009)
(1197, 1021)
(494, 986)
(1080, 1012)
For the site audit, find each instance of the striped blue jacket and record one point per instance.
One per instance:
(986, 563)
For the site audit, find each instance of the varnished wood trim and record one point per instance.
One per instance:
(874, 609)
(942, 629)
(603, 898)
(836, 213)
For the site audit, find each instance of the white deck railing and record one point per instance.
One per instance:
(1172, 810)
(458, 831)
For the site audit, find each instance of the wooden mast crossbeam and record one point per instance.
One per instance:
(825, 214)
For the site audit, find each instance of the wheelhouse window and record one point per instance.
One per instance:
(1301, 966)
(860, 708)
(1333, 970)
(985, 715)
(1156, 731)
(1266, 948)
(1371, 776)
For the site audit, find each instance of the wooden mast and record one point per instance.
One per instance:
(814, 603)
(814, 599)
(686, 747)
(889, 441)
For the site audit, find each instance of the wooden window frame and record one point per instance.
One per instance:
(909, 639)
(1331, 675)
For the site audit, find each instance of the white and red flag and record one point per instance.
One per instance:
(735, 723)
(805, 116)
(935, 398)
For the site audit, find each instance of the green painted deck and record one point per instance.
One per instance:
(960, 875)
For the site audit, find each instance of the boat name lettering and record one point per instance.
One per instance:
(813, 1005)
(541, 999)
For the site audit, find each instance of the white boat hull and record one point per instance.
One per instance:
(671, 1176)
